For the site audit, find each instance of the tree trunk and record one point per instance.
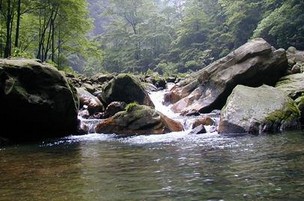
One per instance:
(53, 40)
(41, 47)
(1, 34)
(46, 34)
(59, 48)
(51, 37)
(18, 23)
(8, 43)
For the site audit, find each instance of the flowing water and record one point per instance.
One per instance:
(174, 166)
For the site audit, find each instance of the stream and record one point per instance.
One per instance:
(174, 166)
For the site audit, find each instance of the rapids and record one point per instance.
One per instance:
(157, 97)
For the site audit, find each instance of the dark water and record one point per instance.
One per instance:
(176, 166)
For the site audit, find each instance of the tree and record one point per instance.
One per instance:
(10, 13)
(242, 17)
(283, 25)
(61, 28)
(49, 29)
(195, 33)
(136, 35)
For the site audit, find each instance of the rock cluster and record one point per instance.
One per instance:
(255, 89)
(253, 86)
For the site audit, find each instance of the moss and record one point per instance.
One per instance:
(139, 112)
(136, 111)
(300, 102)
(275, 116)
(284, 80)
(131, 106)
(289, 113)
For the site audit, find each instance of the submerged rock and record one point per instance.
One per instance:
(258, 110)
(36, 101)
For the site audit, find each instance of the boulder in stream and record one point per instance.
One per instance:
(36, 101)
(126, 88)
(264, 109)
(138, 120)
(295, 56)
(253, 64)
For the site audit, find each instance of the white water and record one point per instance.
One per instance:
(157, 98)
(88, 124)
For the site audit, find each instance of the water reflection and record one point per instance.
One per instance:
(168, 167)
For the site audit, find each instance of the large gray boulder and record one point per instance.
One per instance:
(253, 64)
(264, 109)
(36, 101)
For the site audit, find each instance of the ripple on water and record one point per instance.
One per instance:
(185, 139)
(174, 166)
(147, 139)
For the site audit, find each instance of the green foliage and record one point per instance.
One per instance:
(48, 29)
(68, 70)
(242, 17)
(167, 68)
(137, 35)
(181, 36)
(283, 27)
(192, 65)
(21, 53)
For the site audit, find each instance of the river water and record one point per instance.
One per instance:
(174, 166)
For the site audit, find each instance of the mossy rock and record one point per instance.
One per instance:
(258, 110)
(138, 120)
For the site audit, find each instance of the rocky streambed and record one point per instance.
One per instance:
(254, 89)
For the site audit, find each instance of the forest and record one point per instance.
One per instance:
(142, 36)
